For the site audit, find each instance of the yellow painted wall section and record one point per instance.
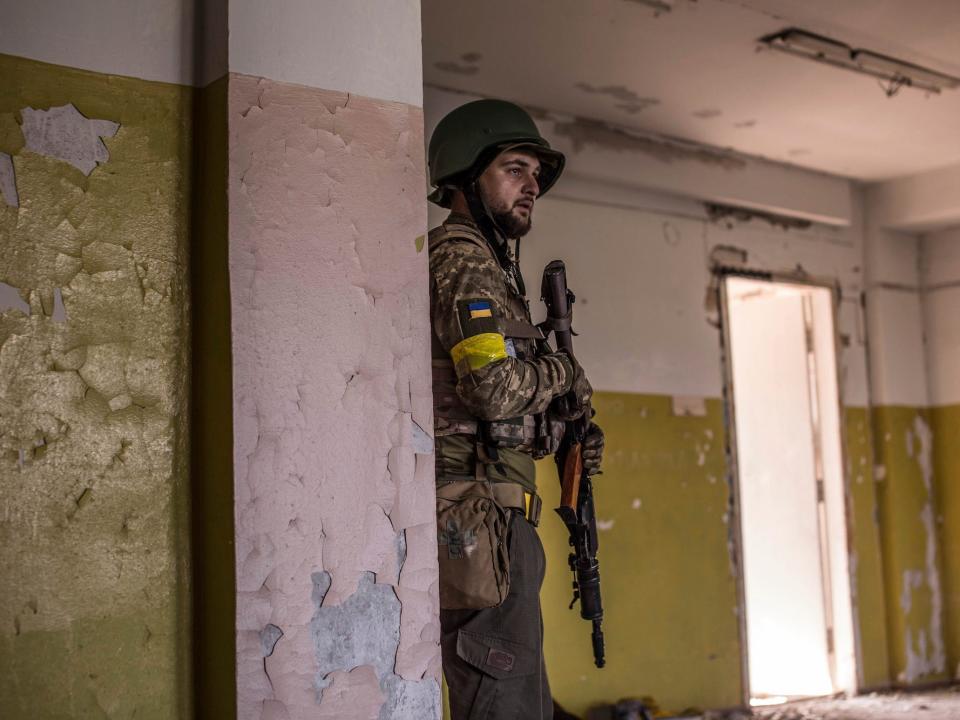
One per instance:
(865, 557)
(669, 595)
(911, 558)
(669, 590)
(946, 454)
(94, 540)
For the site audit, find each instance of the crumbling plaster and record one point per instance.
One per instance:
(333, 482)
(940, 277)
(911, 548)
(92, 400)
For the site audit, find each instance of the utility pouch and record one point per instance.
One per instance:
(472, 546)
(510, 433)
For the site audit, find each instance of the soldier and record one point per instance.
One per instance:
(500, 396)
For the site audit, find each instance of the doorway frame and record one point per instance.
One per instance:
(720, 273)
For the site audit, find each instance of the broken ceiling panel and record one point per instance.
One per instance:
(65, 134)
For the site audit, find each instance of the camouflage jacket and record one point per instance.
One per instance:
(486, 365)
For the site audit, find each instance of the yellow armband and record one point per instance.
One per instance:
(478, 351)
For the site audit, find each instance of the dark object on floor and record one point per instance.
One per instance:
(559, 713)
(625, 709)
(630, 710)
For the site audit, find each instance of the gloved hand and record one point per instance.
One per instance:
(592, 449)
(563, 406)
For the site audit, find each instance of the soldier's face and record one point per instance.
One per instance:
(509, 187)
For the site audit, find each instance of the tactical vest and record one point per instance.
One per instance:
(528, 433)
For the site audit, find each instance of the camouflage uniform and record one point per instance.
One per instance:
(487, 368)
(485, 359)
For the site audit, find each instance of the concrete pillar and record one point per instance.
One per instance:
(336, 574)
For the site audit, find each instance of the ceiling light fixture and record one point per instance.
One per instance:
(896, 73)
(658, 6)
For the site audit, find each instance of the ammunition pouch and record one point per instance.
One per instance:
(473, 526)
(537, 435)
(472, 547)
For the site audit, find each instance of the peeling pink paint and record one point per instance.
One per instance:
(331, 378)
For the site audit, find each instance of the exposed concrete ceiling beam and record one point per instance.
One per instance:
(918, 203)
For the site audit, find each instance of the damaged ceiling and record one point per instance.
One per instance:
(694, 72)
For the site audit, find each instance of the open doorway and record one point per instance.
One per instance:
(786, 442)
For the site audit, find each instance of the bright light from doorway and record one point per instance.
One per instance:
(791, 489)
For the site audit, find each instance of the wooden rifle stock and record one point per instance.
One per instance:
(570, 481)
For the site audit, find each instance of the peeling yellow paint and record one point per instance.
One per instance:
(911, 559)
(94, 558)
(865, 559)
(945, 422)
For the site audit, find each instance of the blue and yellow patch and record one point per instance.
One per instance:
(477, 315)
(480, 309)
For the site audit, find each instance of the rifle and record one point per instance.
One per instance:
(576, 490)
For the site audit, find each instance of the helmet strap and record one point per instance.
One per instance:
(494, 234)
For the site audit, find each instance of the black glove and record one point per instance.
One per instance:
(565, 407)
(592, 449)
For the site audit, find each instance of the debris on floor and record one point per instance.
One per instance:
(943, 704)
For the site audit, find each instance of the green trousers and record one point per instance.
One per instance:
(493, 658)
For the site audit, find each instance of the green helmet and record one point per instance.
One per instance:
(467, 139)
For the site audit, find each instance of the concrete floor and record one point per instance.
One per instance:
(930, 705)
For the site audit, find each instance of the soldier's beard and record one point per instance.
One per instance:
(513, 225)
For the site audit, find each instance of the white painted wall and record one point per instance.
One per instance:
(370, 49)
(147, 39)
(898, 374)
(366, 48)
(924, 202)
(641, 278)
(940, 275)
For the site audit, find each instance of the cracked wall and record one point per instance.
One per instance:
(337, 608)
(904, 359)
(911, 555)
(945, 420)
(93, 363)
(940, 275)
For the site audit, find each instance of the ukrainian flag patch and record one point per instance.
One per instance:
(477, 315)
(480, 309)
